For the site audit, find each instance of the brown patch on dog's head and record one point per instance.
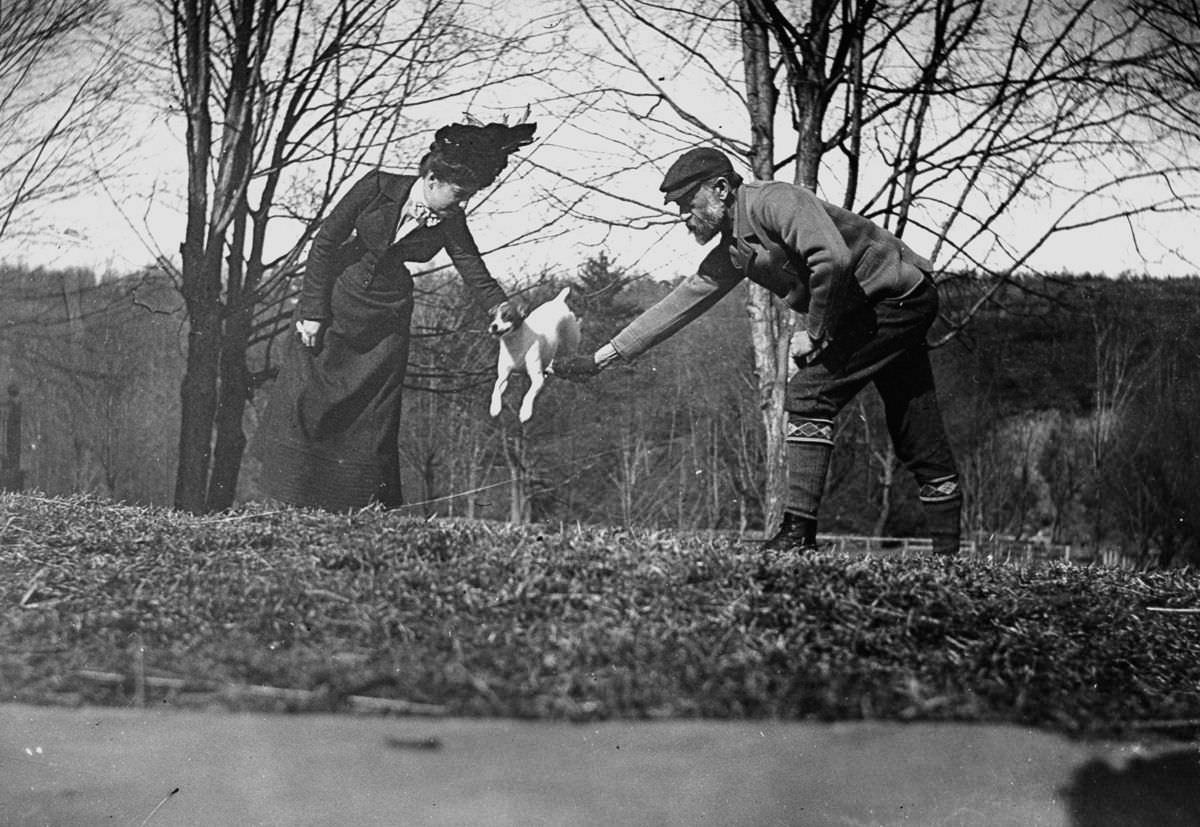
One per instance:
(506, 317)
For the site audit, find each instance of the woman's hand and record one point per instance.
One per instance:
(309, 330)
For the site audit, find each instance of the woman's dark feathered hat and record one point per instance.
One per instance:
(484, 148)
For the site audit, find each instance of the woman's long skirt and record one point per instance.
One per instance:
(329, 435)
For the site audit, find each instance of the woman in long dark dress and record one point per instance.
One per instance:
(329, 435)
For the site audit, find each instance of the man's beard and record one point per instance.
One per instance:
(705, 223)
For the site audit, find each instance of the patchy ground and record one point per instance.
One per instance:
(296, 610)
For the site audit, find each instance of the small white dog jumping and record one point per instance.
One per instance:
(550, 330)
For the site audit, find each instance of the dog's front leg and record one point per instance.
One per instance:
(502, 375)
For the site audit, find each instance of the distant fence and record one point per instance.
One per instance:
(993, 548)
(984, 546)
(12, 478)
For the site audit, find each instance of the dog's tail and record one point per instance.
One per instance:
(562, 294)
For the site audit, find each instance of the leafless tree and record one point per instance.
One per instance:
(1120, 355)
(944, 120)
(1152, 472)
(57, 99)
(94, 363)
(284, 101)
(1064, 465)
(1170, 75)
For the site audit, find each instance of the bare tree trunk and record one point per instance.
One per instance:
(770, 333)
(887, 477)
(632, 463)
(515, 455)
(626, 478)
(205, 237)
(234, 383)
(245, 277)
(198, 395)
(770, 326)
(713, 469)
(883, 456)
(202, 280)
(429, 485)
(473, 477)
(1117, 382)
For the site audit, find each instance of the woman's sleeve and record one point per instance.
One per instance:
(333, 232)
(690, 298)
(464, 252)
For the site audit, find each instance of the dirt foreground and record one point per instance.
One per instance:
(92, 766)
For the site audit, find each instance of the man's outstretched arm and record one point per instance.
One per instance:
(690, 299)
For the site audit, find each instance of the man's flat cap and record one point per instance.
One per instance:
(693, 168)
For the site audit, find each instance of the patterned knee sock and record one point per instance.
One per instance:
(809, 447)
(941, 500)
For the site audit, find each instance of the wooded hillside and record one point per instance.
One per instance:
(1070, 402)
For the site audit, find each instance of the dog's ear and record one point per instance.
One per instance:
(509, 310)
(513, 311)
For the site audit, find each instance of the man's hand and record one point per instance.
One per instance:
(308, 330)
(575, 368)
(804, 349)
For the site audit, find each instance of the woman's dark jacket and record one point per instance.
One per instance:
(329, 435)
(357, 235)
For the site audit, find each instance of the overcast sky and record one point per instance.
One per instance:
(121, 228)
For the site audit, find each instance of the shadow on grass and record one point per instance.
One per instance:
(1163, 791)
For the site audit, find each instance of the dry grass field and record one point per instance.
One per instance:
(373, 613)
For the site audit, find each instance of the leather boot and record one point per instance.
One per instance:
(796, 533)
(944, 519)
(946, 545)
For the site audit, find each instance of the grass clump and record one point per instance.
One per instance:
(299, 610)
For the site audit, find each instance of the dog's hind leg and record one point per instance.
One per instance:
(536, 370)
(536, 380)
